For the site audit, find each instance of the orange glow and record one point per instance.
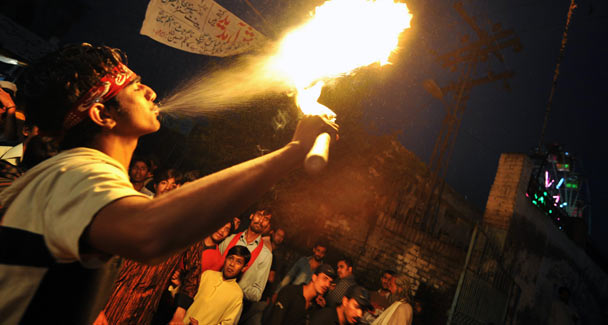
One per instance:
(340, 36)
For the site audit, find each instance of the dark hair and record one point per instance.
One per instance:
(266, 209)
(165, 174)
(190, 176)
(232, 228)
(241, 251)
(142, 159)
(38, 149)
(321, 243)
(347, 260)
(391, 272)
(51, 87)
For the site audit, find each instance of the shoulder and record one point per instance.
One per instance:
(146, 191)
(266, 251)
(324, 316)
(404, 308)
(291, 290)
(210, 273)
(227, 240)
(237, 291)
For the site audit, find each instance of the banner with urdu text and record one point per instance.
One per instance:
(199, 26)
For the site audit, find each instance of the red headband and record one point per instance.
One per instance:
(110, 85)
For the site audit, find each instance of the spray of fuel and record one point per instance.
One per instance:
(233, 86)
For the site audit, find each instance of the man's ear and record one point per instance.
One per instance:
(101, 116)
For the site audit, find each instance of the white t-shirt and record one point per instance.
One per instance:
(57, 199)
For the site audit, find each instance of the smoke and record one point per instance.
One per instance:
(242, 82)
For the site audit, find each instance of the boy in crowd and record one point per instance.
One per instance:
(220, 299)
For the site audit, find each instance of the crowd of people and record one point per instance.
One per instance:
(91, 233)
(213, 283)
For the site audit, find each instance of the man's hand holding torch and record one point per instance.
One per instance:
(314, 133)
(306, 100)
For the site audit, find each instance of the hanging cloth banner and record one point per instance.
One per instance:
(199, 26)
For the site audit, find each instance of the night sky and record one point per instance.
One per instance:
(499, 117)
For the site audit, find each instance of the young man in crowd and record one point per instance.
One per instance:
(78, 208)
(302, 270)
(254, 277)
(138, 172)
(294, 301)
(381, 298)
(346, 280)
(166, 180)
(354, 302)
(219, 299)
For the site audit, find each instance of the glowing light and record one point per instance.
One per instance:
(559, 184)
(548, 180)
(307, 100)
(340, 36)
(556, 197)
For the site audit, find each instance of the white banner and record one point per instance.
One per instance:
(199, 26)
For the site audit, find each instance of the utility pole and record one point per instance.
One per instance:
(454, 97)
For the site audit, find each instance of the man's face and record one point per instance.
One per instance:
(233, 266)
(344, 270)
(386, 281)
(138, 172)
(165, 186)
(319, 252)
(321, 282)
(221, 233)
(352, 310)
(278, 236)
(259, 221)
(139, 113)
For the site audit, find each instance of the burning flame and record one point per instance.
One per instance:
(341, 36)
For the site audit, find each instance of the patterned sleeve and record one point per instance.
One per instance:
(190, 273)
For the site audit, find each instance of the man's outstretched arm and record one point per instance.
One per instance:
(150, 230)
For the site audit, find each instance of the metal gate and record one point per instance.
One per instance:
(485, 291)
